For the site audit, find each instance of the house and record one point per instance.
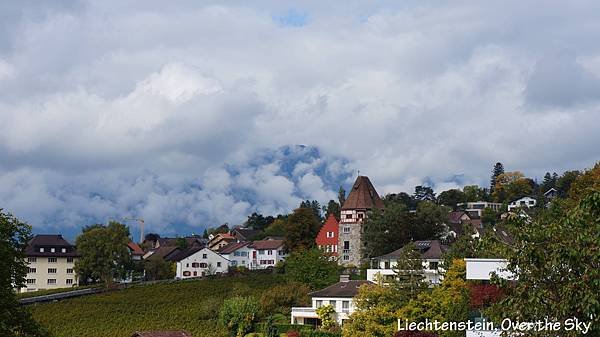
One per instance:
(551, 194)
(245, 234)
(327, 239)
(458, 219)
(267, 253)
(220, 240)
(477, 207)
(50, 263)
(136, 251)
(196, 262)
(162, 333)
(239, 254)
(524, 202)
(190, 241)
(431, 254)
(340, 296)
(362, 198)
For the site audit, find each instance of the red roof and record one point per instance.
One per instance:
(267, 244)
(330, 225)
(363, 195)
(135, 249)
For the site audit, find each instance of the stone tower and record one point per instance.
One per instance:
(361, 199)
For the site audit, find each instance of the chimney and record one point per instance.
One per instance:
(344, 278)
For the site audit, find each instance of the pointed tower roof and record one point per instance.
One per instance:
(363, 195)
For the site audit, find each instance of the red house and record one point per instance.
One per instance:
(327, 239)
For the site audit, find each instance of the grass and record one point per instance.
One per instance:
(185, 305)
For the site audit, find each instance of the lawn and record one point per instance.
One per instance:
(188, 305)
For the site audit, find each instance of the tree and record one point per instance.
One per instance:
(239, 314)
(549, 182)
(409, 272)
(556, 260)
(447, 303)
(488, 216)
(341, 196)
(325, 314)
(451, 198)
(311, 267)
(424, 193)
(475, 193)
(258, 221)
(386, 231)
(281, 298)
(104, 252)
(496, 171)
(511, 185)
(314, 206)
(585, 182)
(332, 208)
(404, 198)
(156, 268)
(428, 222)
(563, 183)
(276, 228)
(301, 229)
(15, 320)
(152, 237)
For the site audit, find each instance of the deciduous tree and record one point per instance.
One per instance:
(311, 267)
(301, 229)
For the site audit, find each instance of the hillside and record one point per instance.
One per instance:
(190, 305)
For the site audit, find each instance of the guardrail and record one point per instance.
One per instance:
(60, 296)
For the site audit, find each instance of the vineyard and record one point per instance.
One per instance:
(188, 305)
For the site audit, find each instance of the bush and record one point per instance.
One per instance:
(239, 314)
(293, 333)
(282, 297)
(414, 334)
(317, 333)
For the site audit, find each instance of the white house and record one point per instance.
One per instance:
(50, 263)
(340, 296)
(431, 253)
(477, 207)
(524, 202)
(267, 253)
(196, 262)
(239, 254)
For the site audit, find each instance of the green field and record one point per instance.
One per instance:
(188, 305)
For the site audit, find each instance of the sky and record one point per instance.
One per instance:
(190, 114)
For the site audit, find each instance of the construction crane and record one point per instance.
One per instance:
(141, 222)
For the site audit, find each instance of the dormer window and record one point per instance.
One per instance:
(360, 215)
(52, 250)
(41, 249)
(64, 250)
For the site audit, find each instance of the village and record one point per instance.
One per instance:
(350, 236)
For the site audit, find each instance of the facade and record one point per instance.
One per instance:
(51, 263)
(340, 296)
(267, 253)
(239, 254)
(136, 251)
(327, 239)
(524, 202)
(477, 207)
(362, 198)
(196, 262)
(431, 253)
(456, 221)
(220, 240)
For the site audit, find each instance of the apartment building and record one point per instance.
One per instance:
(51, 263)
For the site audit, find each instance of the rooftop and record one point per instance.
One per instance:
(363, 195)
(340, 289)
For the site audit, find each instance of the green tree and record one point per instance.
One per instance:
(104, 252)
(410, 279)
(563, 183)
(496, 171)
(556, 260)
(375, 313)
(452, 198)
(424, 193)
(325, 314)
(386, 231)
(156, 268)
(276, 228)
(341, 196)
(511, 185)
(488, 216)
(258, 221)
(312, 268)
(332, 208)
(15, 320)
(301, 229)
(314, 206)
(428, 222)
(475, 193)
(403, 198)
(239, 314)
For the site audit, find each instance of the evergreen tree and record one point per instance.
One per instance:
(386, 231)
(314, 206)
(496, 171)
(424, 193)
(332, 208)
(410, 279)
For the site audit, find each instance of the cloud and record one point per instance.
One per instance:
(192, 115)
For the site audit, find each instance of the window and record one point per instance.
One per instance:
(360, 215)
(30, 281)
(52, 250)
(281, 252)
(69, 259)
(237, 253)
(261, 252)
(51, 281)
(41, 249)
(386, 265)
(203, 265)
(195, 273)
(64, 250)
(433, 265)
(346, 244)
(69, 271)
(187, 265)
(270, 252)
(346, 229)
(69, 281)
(32, 259)
(31, 270)
(345, 306)
(332, 303)
(51, 270)
(51, 260)
(319, 303)
(195, 265)
(187, 273)
(218, 264)
(346, 258)
(348, 216)
(204, 256)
